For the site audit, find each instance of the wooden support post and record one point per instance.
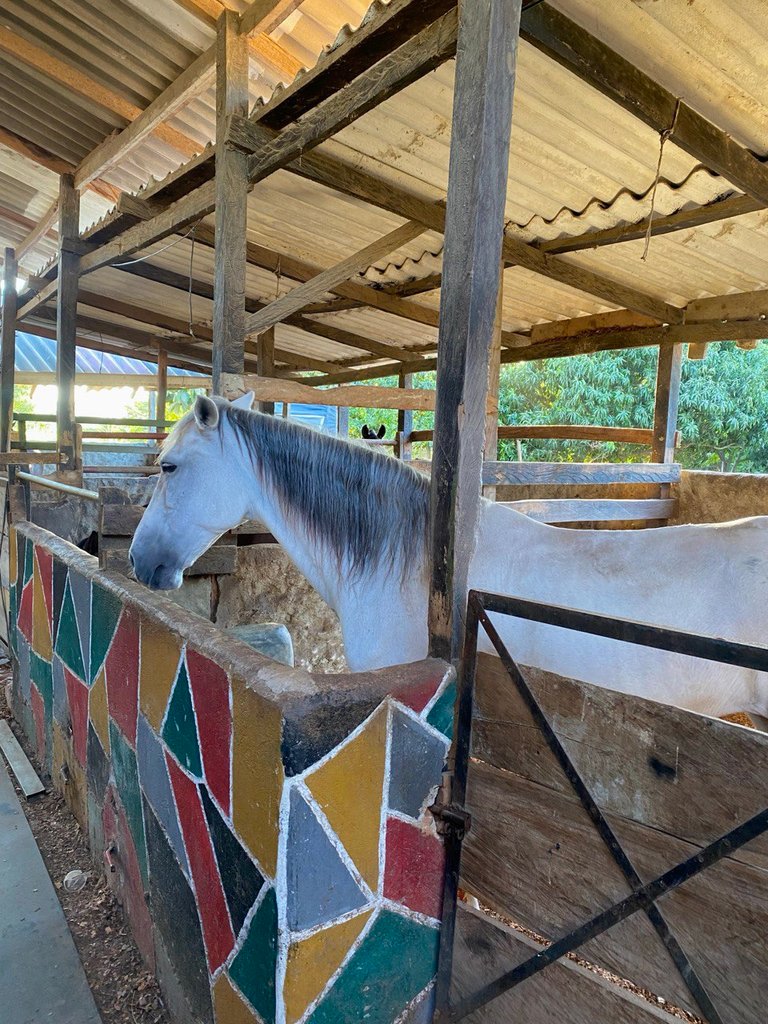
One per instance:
(342, 421)
(665, 412)
(474, 223)
(231, 202)
(403, 446)
(491, 449)
(66, 320)
(265, 363)
(8, 359)
(162, 388)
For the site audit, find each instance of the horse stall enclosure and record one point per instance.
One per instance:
(266, 829)
(588, 808)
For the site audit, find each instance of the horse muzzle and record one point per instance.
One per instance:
(153, 573)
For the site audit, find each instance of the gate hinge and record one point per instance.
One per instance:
(452, 819)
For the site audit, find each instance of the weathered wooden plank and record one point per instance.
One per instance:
(582, 326)
(8, 350)
(25, 774)
(486, 949)
(491, 440)
(563, 431)
(19, 458)
(190, 83)
(272, 390)
(584, 473)
(594, 510)
(736, 306)
(266, 15)
(316, 287)
(533, 855)
(672, 770)
(66, 321)
(162, 386)
(614, 76)
(474, 225)
(220, 560)
(120, 520)
(40, 230)
(231, 202)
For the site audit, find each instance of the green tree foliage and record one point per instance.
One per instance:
(375, 417)
(723, 414)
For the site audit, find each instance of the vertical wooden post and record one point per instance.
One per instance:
(477, 180)
(66, 321)
(491, 448)
(403, 445)
(231, 202)
(665, 407)
(162, 388)
(265, 363)
(342, 422)
(8, 358)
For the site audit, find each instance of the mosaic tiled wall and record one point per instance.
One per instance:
(267, 832)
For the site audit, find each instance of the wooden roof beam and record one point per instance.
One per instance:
(615, 77)
(264, 50)
(317, 286)
(266, 15)
(47, 223)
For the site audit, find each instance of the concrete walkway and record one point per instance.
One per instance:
(41, 977)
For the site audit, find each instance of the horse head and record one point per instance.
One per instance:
(198, 497)
(369, 435)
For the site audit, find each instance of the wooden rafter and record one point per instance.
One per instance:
(266, 15)
(615, 77)
(83, 85)
(263, 49)
(47, 223)
(317, 286)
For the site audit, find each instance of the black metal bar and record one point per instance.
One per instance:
(639, 900)
(710, 648)
(458, 765)
(619, 854)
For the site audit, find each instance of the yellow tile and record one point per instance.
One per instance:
(41, 630)
(72, 783)
(230, 1008)
(98, 711)
(312, 961)
(257, 773)
(12, 553)
(349, 788)
(160, 654)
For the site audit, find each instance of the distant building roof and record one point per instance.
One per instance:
(38, 355)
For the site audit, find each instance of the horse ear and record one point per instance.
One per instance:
(365, 432)
(382, 431)
(244, 401)
(206, 413)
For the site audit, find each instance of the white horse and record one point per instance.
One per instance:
(355, 524)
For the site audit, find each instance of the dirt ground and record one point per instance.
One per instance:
(125, 992)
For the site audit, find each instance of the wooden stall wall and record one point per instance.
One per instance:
(669, 782)
(267, 830)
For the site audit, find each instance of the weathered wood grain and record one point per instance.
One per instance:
(533, 855)
(563, 431)
(584, 473)
(66, 321)
(589, 510)
(8, 351)
(272, 390)
(486, 949)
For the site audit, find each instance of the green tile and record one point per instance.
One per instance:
(105, 612)
(253, 969)
(68, 637)
(41, 674)
(29, 553)
(394, 962)
(180, 731)
(127, 783)
(441, 715)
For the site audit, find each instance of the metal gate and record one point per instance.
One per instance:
(643, 896)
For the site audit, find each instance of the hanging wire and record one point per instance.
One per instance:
(149, 255)
(663, 137)
(278, 275)
(189, 296)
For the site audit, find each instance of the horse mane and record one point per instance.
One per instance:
(371, 510)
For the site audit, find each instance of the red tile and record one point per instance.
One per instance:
(210, 693)
(415, 865)
(126, 879)
(419, 695)
(24, 617)
(211, 904)
(122, 667)
(77, 694)
(45, 562)
(38, 711)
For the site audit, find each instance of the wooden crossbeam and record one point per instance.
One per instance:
(267, 389)
(74, 80)
(43, 158)
(46, 223)
(583, 473)
(264, 50)
(266, 15)
(615, 77)
(594, 510)
(317, 286)
(736, 306)
(190, 83)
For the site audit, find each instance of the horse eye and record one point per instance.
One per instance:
(167, 467)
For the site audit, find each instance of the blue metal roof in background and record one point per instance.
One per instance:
(38, 355)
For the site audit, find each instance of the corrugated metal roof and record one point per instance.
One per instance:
(38, 355)
(578, 162)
